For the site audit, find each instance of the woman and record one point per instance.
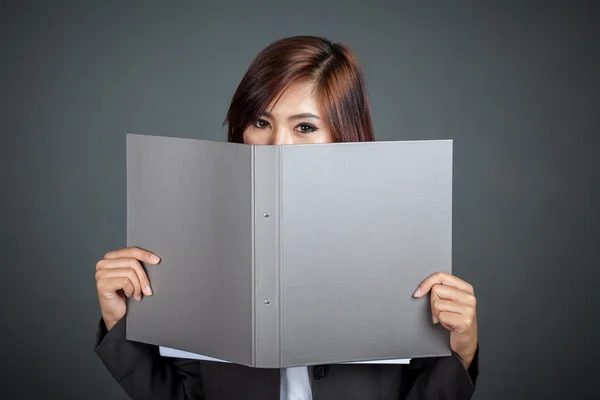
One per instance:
(297, 90)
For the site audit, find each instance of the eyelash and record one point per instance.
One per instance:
(311, 128)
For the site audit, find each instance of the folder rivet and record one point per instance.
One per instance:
(266, 215)
(267, 302)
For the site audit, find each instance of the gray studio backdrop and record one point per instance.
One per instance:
(514, 84)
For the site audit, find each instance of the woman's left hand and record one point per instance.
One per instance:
(453, 305)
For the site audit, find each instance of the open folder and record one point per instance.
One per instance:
(283, 256)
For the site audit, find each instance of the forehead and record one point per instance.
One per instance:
(298, 98)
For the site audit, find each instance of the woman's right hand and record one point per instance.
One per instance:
(120, 274)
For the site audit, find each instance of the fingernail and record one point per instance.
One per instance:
(435, 320)
(138, 297)
(417, 292)
(148, 290)
(154, 258)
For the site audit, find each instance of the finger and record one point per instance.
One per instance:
(132, 263)
(441, 292)
(135, 252)
(441, 305)
(455, 322)
(442, 278)
(128, 273)
(109, 287)
(452, 293)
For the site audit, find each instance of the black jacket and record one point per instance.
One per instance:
(144, 374)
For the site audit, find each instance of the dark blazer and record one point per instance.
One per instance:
(144, 374)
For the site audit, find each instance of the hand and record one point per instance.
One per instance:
(453, 305)
(120, 274)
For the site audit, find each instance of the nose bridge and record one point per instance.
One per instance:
(281, 135)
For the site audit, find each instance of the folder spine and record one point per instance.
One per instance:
(267, 256)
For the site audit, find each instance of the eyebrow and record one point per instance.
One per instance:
(297, 116)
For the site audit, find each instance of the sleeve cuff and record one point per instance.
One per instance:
(117, 353)
(102, 333)
(473, 371)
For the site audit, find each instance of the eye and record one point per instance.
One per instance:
(261, 124)
(306, 128)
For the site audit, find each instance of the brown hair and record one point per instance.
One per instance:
(332, 67)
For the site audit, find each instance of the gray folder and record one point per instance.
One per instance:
(281, 256)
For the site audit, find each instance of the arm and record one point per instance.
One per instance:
(440, 378)
(453, 305)
(138, 367)
(142, 372)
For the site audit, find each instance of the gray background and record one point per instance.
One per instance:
(515, 84)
